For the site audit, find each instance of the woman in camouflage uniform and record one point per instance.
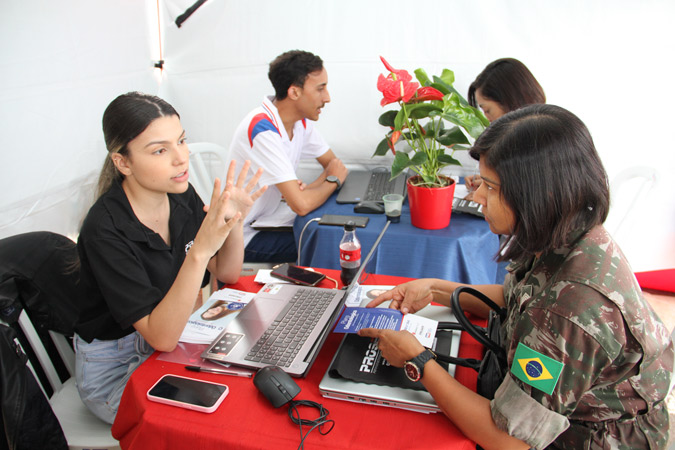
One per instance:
(589, 361)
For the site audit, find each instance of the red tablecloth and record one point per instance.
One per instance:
(246, 420)
(661, 280)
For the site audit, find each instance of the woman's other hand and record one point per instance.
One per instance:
(472, 182)
(408, 297)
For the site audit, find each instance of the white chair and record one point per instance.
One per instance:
(628, 190)
(82, 429)
(37, 265)
(207, 162)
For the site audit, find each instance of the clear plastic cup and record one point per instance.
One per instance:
(393, 204)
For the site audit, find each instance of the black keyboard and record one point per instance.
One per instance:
(282, 341)
(467, 206)
(379, 185)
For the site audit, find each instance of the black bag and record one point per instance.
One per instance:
(493, 366)
(358, 358)
(28, 421)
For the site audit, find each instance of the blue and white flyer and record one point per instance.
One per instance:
(353, 319)
(205, 324)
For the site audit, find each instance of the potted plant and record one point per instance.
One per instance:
(425, 107)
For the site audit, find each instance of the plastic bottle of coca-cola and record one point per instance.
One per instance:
(350, 254)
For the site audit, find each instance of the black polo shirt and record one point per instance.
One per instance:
(126, 268)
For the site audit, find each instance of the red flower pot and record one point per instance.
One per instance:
(430, 208)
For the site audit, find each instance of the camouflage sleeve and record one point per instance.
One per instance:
(524, 418)
(573, 337)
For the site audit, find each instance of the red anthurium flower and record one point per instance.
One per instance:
(398, 85)
(392, 140)
(391, 147)
(395, 136)
(387, 65)
(428, 93)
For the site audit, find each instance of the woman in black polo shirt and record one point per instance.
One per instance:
(145, 246)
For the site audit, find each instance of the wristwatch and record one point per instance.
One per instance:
(334, 179)
(414, 369)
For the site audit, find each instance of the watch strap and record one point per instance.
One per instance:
(419, 361)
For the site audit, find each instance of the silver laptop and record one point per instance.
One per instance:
(393, 397)
(284, 325)
(370, 185)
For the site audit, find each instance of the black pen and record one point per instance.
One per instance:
(221, 371)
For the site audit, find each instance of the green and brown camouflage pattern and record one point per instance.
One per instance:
(581, 305)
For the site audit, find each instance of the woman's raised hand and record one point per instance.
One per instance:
(216, 226)
(241, 199)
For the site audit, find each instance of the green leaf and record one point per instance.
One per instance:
(419, 159)
(422, 110)
(481, 116)
(464, 116)
(422, 77)
(448, 76)
(450, 90)
(382, 148)
(407, 135)
(387, 118)
(447, 159)
(401, 162)
(399, 120)
(452, 136)
(462, 100)
(441, 87)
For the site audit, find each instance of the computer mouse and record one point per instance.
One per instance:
(369, 208)
(276, 385)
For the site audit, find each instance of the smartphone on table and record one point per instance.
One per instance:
(297, 275)
(341, 220)
(190, 393)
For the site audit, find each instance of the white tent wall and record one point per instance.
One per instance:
(608, 62)
(62, 62)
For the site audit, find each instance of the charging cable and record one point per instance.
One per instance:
(319, 422)
(316, 219)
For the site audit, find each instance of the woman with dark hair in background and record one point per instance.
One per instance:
(503, 86)
(145, 247)
(589, 362)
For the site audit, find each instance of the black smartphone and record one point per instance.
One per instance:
(340, 220)
(189, 393)
(297, 275)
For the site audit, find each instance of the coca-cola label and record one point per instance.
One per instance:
(350, 255)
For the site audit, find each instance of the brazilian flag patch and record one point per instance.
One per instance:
(535, 369)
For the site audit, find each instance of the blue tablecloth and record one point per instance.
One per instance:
(463, 252)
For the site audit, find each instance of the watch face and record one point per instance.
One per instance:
(411, 371)
(334, 179)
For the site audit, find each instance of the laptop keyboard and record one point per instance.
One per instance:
(379, 185)
(282, 340)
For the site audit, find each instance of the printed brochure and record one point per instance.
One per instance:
(353, 319)
(215, 314)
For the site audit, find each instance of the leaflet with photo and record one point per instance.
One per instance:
(215, 314)
(353, 319)
(363, 294)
